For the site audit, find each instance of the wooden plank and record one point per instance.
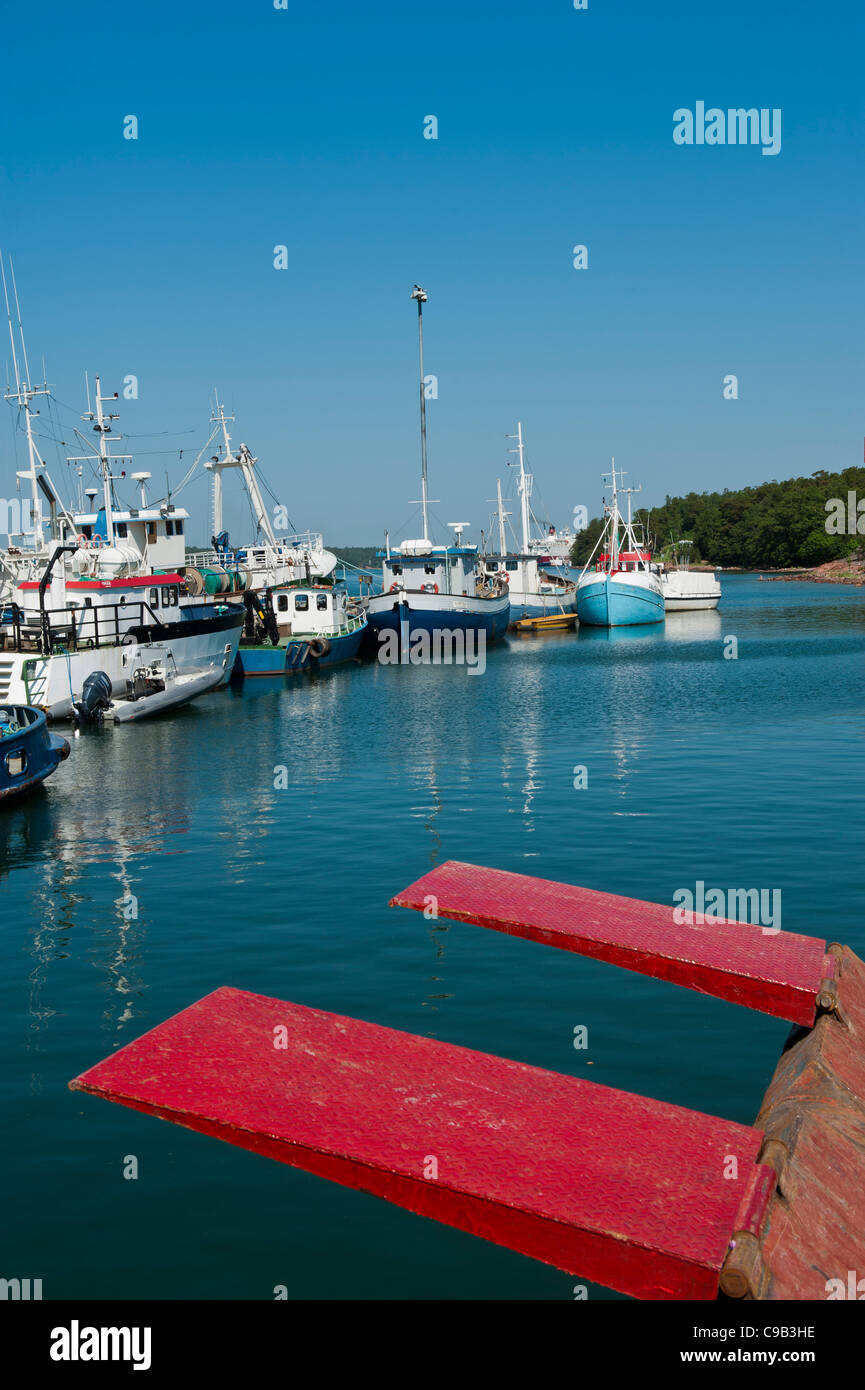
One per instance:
(776, 974)
(612, 1187)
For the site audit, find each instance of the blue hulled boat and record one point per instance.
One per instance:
(624, 588)
(288, 631)
(29, 752)
(435, 599)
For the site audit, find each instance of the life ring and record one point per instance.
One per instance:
(82, 541)
(430, 588)
(393, 588)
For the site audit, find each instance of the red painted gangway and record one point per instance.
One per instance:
(645, 1197)
(779, 974)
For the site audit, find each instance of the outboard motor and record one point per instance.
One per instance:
(95, 698)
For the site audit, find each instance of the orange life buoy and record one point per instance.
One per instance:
(82, 541)
(393, 588)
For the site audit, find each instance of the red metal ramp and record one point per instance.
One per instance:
(780, 974)
(612, 1187)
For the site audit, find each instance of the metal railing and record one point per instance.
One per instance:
(72, 627)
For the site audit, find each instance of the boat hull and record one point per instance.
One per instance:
(607, 601)
(408, 612)
(53, 683)
(294, 656)
(34, 749)
(527, 605)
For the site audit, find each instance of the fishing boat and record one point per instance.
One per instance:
(624, 587)
(298, 629)
(95, 597)
(153, 686)
(430, 589)
(536, 589)
(270, 560)
(686, 590)
(29, 751)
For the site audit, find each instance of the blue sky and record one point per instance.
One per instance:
(304, 127)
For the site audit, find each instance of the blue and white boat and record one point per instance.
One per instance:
(624, 587)
(29, 752)
(432, 591)
(302, 628)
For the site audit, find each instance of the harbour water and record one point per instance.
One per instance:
(161, 861)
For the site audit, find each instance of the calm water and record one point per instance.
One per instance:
(741, 773)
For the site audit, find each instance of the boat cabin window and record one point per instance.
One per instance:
(169, 528)
(169, 596)
(282, 603)
(151, 532)
(122, 601)
(510, 564)
(87, 531)
(301, 603)
(121, 530)
(154, 598)
(321, 602)
(396, 569)
(429, 569)
(88, 603)
(492, 566)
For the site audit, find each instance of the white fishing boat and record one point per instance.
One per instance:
(536, 588)
(270, 560)
(94, 598)
(686, 590)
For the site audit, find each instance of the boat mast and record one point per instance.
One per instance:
(103, 428)
(614, 524)
(421, 297)
(524, 486)
(245, 461)
(23, 394)
(501, 515)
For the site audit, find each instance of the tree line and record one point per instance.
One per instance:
(771, 526)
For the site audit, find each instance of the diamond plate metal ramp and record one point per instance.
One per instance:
(781, 974)
(616, 1188)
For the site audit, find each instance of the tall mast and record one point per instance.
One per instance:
(23, 394)
(421, 297)
(614, 537)
(103, 428)
(524, 485)
(501, 516)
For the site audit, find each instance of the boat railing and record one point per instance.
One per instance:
(287, 550)
(71, 627)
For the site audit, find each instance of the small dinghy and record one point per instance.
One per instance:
(153, 685)
(29, 752)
